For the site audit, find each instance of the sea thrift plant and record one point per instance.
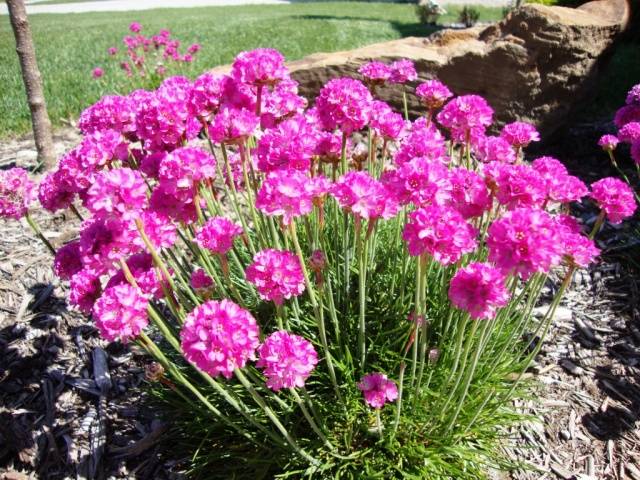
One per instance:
(329, 286)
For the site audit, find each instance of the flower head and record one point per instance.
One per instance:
(201, 281)
(345, 104)
(469, 194)
(286, 193)
(262, 66)
(377, 390)
(561, 187)
(578, 249)
(218, 235)
(479, 288)
(375, 72)
(289, 145)
(17, 193)
(630, 132)
(519, 134)
(97, 72)
(493, 149)
(421, 140)
(84, 290)
(119, 191)
(608, 142)
(53, 194)
(277, 274)
(135, 27)
(233, 125)
(440, 232)
(515, 185)
(219, 336)
(364, 196)
(121, 313)
(633, 96)
(385, 122)
(615, 198)
(433, 94)
(403, 71)
(67, 261)
(466, 116)
(185, 167)
(287, 360)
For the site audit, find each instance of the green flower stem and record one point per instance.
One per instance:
(273, 417)
(405, 104)
(378, 422)
(249, 188)
(361, 246)
(309, 418)
(396, 423)
(624, 175)
(234, 199)
(423, 335)
(598, 223)
(316, 310)
(416, 307)
(38, 232)
(280, 316)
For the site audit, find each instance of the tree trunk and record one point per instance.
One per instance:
(32, 83)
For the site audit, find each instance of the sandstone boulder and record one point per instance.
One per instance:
(534, 65)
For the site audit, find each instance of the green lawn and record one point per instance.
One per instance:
(69, 46)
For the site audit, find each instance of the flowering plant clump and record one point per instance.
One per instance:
(147, 60)
(326, 304)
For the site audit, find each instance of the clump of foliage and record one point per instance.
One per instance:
(468, 16)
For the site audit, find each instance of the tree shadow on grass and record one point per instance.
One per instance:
(404, 29)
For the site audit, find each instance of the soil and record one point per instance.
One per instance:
(73, 406)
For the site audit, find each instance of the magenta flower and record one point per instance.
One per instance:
(233, 125)
(200, 281)
(466, 116)
(97, 73)
(147, 278)
(345, 104)
(422, 140)
(630, 132)
(516, 185)
(84, 290)
(615, 198)
(419, 180)
(364, 196)
(176, 204)
(111, 112)
(578, 249)
(67, 261)
(375, 72)
(104, 241)
(479, 289)
(281, 103)
(287, 360)
(627, 114)
(289, 194)
(493, 149)
(135, 27)
(433, 94)
(185, 167)
(385, 122)
(524, 241)
(218, 235)
(520, 134)
(52, 194)
(608, 142)
(100, 148)
(440, 232)
(219, 336)
(194, 48)
(121, 313)
(17, 193)
(403, 71)
(287, 146)
(206, 95)
(262, 66)
(120, 191)
(159, 228)
(633, 96)
(561, 187)
(277, 274)
(377, 390)
(112, 51)
(469, 194)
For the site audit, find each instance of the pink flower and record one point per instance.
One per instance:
(419, 180)
(375, 72)
(147, 278)
(277, 275)
(578, 249)
(176, 204)
(67, 261)
(403, 71)
(17, 193)
(194, 48)
(287, 360)
(615, 198)
(630, 132)
(280, 103)
(515, 185)
(135, 27)
(466, 116)
(121, 313)
(385, 122)
(52, 193)
(104, 241)
(120, 191)
(97, 72)
(627, 114)
(524, 241)
(633, 96)
(345, 104)
(493, 149)
(364, 196)
(232, 125)
(185, 167)
(422, 140)
(206, 95)
(219, 336)
(160, 230)
(111, 112)
(289, 193)
(262, 66)
(71, 176)
(520, 134)
(112, 51)
(433, 94)
(608, 142)
(289, 145)
(200, 281)
(84, 290)
(377, 390)
(100, 148)
(440, 232)
(469, 194)
(218, 235)
(479, 289)
(561, 187)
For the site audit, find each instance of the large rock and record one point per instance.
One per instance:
(533, 66)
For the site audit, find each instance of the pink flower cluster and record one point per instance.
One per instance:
(219, 336)
(615, 198)
(121, 313)
(277, 274)
(364, 196)
(218, 234)
(433, 94)
(466, 117)
(17, 193)
(345, 104)
(479, 288)
(287, 360)
(377, 390)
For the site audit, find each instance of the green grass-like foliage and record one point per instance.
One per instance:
(69, 46)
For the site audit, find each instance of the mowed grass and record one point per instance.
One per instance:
(70, 45)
